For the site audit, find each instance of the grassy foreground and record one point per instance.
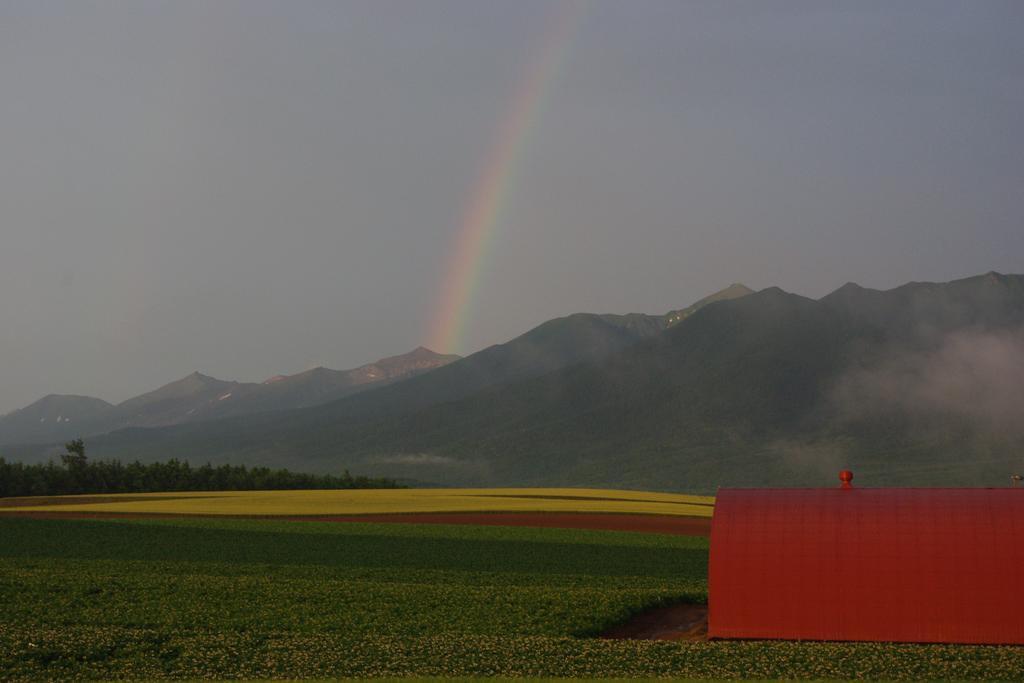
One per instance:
(355, 502)
(221, 598)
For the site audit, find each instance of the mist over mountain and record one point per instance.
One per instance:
(769, 388)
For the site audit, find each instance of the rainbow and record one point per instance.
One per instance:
(481, 214)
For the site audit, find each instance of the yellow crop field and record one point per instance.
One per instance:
(376, 501)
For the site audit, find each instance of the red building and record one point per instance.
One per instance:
(910, 565)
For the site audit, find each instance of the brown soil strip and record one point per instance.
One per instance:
(675, 622)
(547, 497)
(651, 524)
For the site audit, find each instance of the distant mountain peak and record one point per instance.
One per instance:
(734, 291)
(52, 409)
(992, 277)
(69, 398)
(199, 377)
(420, 358)
(421, 352)
(193, 384)
(849, 292)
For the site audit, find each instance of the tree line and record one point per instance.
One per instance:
(76, 474)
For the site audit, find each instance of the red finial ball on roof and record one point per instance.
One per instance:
(846, 476)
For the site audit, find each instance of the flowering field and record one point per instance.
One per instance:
(377, 501)
(201, 598)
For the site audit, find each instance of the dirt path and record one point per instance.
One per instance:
(675, 622)
(652, 524)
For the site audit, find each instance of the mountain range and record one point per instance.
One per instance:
(919, 385)
(199, 397)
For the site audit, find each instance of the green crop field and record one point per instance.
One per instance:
(222, 598)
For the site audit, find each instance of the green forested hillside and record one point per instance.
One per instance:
(913, 385)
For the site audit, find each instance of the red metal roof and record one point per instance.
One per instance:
(910, 565)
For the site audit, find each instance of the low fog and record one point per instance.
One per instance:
(975, 376)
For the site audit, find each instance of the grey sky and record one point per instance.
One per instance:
(251, 188)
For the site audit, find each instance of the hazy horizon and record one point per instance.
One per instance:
(249, 189)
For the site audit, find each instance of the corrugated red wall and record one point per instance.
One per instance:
(911, 565)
